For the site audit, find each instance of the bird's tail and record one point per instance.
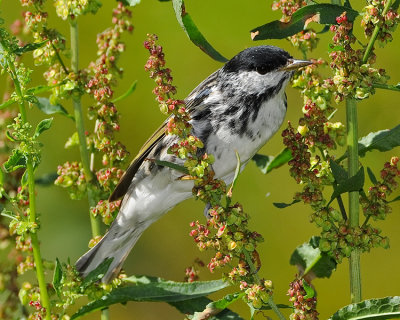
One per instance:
(117, 243)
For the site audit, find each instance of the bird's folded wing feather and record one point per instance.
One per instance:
(126, 179)
(193, 101)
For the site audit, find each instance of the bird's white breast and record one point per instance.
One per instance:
(224, 144)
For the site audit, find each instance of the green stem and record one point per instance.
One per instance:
(59, 59)
(352, 151)
(254, 273)
(85, 156)
(44, 296)
(80, 127)
(375, 33)
(386, 86)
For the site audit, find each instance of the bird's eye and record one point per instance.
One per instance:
(261, 70)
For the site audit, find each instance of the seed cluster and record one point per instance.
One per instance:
(72, 177)
(103, 75)
(192, 272)
(373, 16)
(305, 308)
(305, 40)
(375, 204)
(315, 133)
(352, 78)
(73, 8)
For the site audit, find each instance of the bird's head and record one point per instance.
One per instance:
(258, 68)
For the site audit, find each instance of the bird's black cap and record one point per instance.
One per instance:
(262, 59)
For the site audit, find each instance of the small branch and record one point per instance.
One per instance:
(59, 59)
(80, 127)
(386, 86)
(44, 296)
(366, 221)
(375, 33)
(253, 269)
(341, 207)
(254, 273)
(275, 308)
(354, 204)
(87, 164)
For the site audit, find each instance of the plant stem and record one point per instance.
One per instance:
(44, 296)
(386, 86)
(80, 127)
(352, 151)
(85, 156)
(253, 270)
(375, 33)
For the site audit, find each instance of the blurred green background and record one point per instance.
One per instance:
(166, 248)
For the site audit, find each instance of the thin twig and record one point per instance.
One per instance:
(375, 33)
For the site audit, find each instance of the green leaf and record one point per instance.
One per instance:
(323, 13)
(395, 5)
(192, 306)
(46, 179)
(338, 172)
(226, 301)
(213, 309)
(267, 163)
(30, 47)
(155, 290)
(9, 214)
(9, 102)
(262, 161)
(282, 205)
(24, 179)
(131, 89)
(16, 161)
(96, 274)
(279, 305)
(57, 277)
(46, 107)
(308, 258)
(72, 141)
(371, 176)
(355, 183)
(310, 293)
(193, 32)
(347, 4)
(42, 88)
(42, 126)
(171, 165)
(376, 309)
(129, 3)
(395, 199)
(10, 137)
(384, 140)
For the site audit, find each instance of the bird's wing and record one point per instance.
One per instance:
(126, 179)
(193, 100)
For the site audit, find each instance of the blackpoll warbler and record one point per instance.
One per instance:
(237, 108)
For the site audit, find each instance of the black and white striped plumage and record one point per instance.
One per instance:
(237, 108)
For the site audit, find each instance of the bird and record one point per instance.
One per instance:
(237, 108)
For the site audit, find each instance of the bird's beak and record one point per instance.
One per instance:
(294, 64)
